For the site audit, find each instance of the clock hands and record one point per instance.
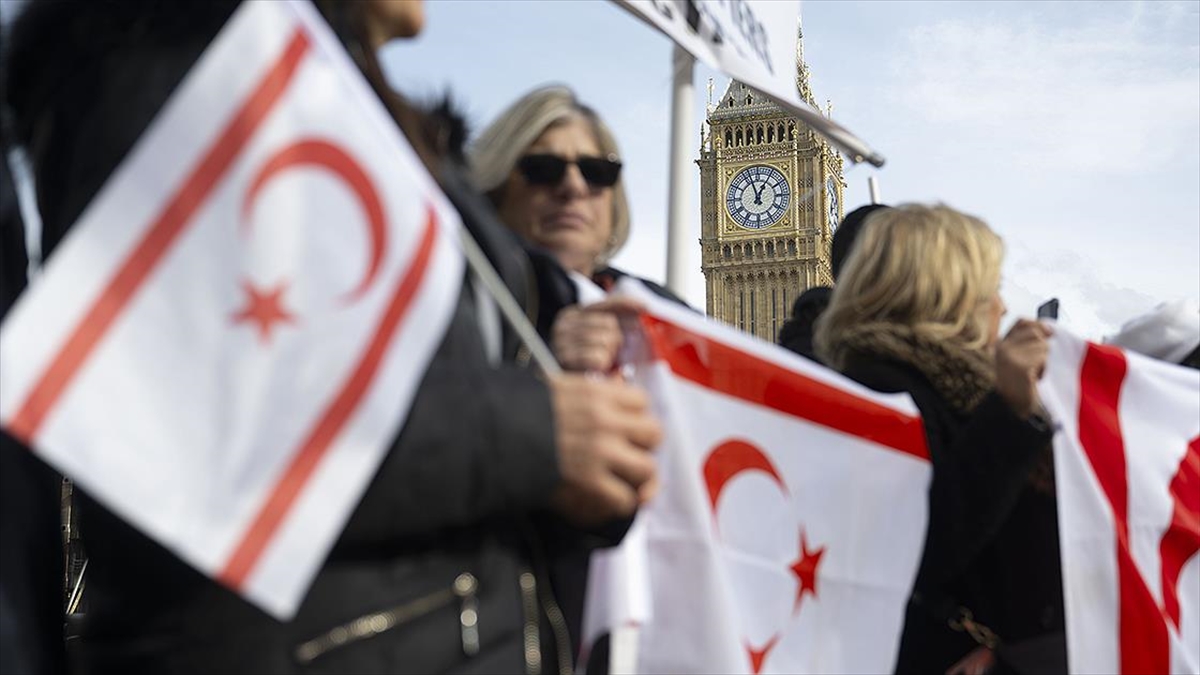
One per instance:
(758, 193)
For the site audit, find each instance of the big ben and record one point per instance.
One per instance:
(770, 197)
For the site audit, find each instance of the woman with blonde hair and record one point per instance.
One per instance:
(917, 309)
(552, 169)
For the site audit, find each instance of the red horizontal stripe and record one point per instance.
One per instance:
(733, 372)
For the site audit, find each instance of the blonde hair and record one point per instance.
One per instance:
(498, 148)
(930, 268)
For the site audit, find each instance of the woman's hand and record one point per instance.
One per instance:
(605, 431)
(588, 338)
(1020, 362)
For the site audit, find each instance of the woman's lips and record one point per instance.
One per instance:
(565, 220)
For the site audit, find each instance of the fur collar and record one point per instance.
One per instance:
(961, 376)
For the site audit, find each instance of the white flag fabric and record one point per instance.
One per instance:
(1127, 467)
(752, 41)
(226, 344)
(792, 515)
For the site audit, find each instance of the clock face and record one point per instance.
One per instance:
(831, 198)
(758, 197)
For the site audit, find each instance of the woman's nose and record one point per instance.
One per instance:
(573, 183)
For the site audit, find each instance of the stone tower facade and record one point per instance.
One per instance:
(770, 197)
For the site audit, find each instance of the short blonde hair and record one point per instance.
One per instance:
(930, 268)
(498, 148)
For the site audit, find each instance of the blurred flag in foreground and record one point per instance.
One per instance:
(1127, 466)
(228, 341)
(791, 520)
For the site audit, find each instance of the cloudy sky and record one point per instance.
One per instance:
(1073, 128)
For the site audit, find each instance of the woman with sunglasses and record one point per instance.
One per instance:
(552, 169)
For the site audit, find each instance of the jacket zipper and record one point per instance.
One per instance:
(532, 632)
(562, 637)
(558, 623)
(464, 588)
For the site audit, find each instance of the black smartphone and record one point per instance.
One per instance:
(1048, 309)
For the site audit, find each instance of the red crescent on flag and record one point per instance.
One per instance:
(731, 458)
(323, 154)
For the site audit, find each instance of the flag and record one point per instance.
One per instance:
(1127, 468)
(226, 344)
(791, 519)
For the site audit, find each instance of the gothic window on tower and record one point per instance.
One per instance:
(792, 130)
(774, 313)
(770, 133)
(780, 131)
(742, 309)
(792, 247)
(753, 311)
(739, 136)
(770, 248)
(758, 138)
(728, 138)
(728, 255)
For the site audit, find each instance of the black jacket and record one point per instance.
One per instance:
(457, 492)
(31, 555)
(569, 552)
(992, 541)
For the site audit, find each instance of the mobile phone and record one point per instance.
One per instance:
(1048, 309)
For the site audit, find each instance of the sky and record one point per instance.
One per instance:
(1072, 128)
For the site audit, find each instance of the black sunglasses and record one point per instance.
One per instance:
(548, 170)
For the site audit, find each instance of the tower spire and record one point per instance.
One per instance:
(802, 82)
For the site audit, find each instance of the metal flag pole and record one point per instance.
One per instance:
(679, 188)
(873, 188)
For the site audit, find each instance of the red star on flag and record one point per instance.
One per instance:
(805, 570)
(264, 309)
(757, 656)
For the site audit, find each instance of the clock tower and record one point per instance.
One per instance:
(770, 197)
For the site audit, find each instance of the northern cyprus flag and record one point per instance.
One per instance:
(227, 343)
(1127, 466)
(791, 519)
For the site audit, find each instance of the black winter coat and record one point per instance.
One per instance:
(456, 494)
(992, 540)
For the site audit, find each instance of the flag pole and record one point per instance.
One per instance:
(873, 188)
(509, 307)
(680, 236)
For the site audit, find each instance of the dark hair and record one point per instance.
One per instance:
(796, 333)
(847, 232)
(1192, 360)
(432, 136)
(83, 80)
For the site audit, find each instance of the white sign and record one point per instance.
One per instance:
(227, 343)
(754, 42)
